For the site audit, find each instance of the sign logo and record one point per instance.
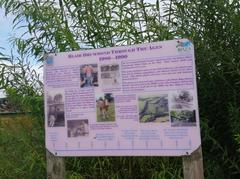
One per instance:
(49, 60)
(184, 46)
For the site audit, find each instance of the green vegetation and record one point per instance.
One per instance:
(22, 150)
(64, 25)
(183, 115)
(183, 118)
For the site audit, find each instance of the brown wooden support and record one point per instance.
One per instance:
(55, 166)
(193, 165)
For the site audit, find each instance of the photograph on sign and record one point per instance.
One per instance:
(110, 75)
(55, 109)
(138, 100)
(89, 75)
(105, 107)
(77, 128)
(153, 108)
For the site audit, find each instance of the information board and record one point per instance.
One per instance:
(138, 100)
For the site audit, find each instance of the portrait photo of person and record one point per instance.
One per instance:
(89, 75)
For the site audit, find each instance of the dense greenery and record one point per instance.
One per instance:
(21, 147)
(66, 25)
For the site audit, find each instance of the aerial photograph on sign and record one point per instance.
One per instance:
(153, 108)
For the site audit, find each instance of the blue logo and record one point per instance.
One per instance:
(49, 60)
(184, 46)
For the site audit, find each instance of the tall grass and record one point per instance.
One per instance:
(22, 152)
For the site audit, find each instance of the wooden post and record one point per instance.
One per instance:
(193, 165)
(55, 166)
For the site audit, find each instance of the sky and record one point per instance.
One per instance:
(6, 31)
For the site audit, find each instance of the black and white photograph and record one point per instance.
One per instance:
(153, 108)
(6, 107)
(88, 75)
(183, 118)
(110, 75)
(182, 100)
(78, 128)
(55, 110)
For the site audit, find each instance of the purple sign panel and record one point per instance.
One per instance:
(138, 100)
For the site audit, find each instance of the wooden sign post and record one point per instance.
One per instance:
(193, 165)
(55, 166)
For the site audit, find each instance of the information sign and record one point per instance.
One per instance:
(138, 100)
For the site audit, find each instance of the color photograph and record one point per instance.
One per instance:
(183, 118)
(89, 75)
(105, 107)
(153, 108)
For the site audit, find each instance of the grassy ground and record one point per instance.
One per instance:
(22, 155)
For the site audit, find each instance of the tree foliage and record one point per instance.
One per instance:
(64, 25)
(213, 26)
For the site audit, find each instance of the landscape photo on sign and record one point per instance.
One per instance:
(105, 107)
(55, 109)
(183, 118)
(88, 75)
(153, 108)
